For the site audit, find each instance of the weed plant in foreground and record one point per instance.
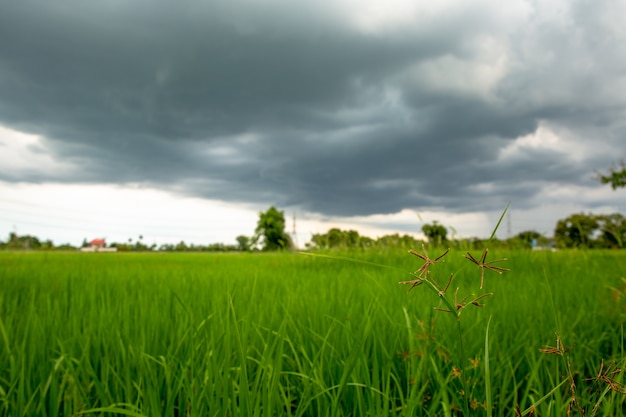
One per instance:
(463, 399)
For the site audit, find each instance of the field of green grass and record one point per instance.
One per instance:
(298, 335)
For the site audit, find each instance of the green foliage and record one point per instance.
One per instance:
(589, 231)
(271, 230)
(528, 239)
(435, 233)
(529, 236)
(138, 246)
(28, 242)
(22, 242)
(576, 231)
(244, 243)
(616, 177)
(613, 231)
(184, 247)
(350, 239)
(397, 241)
(336, 238)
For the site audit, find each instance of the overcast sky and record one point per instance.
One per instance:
(181, 120)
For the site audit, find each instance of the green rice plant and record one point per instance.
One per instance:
(291, 335)
(607, 380)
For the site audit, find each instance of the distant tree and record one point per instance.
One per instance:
(271, 229)
(336, 238)
(244, 243)
(122, 247)
(408, 241)
(181, 246)
(576, 231)
(65, 246)
(353, 239)
(166, 247)
(389, 241)
(47, 245)
(22, 242)
(139, 246)
(616, 177)
(397, 241)
(529, 237)
(318, 241)
(366, 242)
(215, 247)
(435, 233)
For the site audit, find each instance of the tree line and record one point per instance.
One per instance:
(269, 235)
(581, 230)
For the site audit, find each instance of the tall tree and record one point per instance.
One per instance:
(615, 177)
(271, 227)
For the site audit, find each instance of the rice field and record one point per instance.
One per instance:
(286, 334)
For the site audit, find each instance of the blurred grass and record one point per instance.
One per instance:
(289, 334)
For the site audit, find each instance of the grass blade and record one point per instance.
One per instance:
(493, 234)
(545, 397)
(488, 373)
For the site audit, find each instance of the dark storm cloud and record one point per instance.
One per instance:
(307, 106)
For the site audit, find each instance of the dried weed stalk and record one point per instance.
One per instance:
(423, 276)
(605, 376)
(486, 265)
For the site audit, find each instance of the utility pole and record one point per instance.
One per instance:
(294, 235)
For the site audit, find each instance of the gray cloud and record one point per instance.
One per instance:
(303, 107)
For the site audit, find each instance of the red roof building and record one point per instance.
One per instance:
(97, 243)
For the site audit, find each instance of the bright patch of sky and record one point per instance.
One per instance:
(25, 155)
(71, 213)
